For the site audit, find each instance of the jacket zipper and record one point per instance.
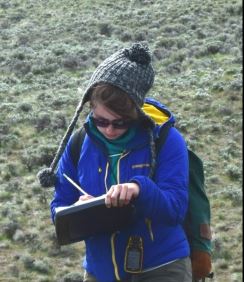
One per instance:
(105, 177)
(112, 240)
(149, 226)
(116, 271)
(118, 166)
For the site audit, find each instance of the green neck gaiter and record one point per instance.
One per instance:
(115, 147)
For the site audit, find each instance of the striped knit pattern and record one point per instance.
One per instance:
(133, 77)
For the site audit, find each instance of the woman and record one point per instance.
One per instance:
(118, 158)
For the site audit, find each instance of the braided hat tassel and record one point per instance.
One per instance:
(47, 176)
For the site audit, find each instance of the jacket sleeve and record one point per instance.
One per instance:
(166, 197)
(65, 193)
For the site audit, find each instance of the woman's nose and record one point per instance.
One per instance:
(109, 128)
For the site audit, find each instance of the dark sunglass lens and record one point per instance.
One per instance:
(101, 122)
(121, 124)
(117, 124)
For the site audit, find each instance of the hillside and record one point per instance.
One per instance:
(48, 49)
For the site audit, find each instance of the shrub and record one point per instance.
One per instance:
(173, 68)
(19, 55)
(23, 39)
(71, 62)
(234, 9)
(174, 29)
(125, 36)
(185, 19)
(21, 67)
(235, 85)
(14, 270)
(161, 53)
(59, 122)
(4, 129)
(41, 266)
(214, 47)
(165, 42)
(60, 100)
(9, 228)
(72, 277)
(200, 33)
(28, 261)
(42, 121)
(179, 56)
(25, 107)
(218, 86)
(42, 68)
(19, 236)
(41, 156)
(214, 179)
(233, 171)
(9, 142)
(93, 52)
(140, 36)
(235, 195)
(5, 196)
(105, 29)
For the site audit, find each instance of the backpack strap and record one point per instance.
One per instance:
(163, 134)
(76, 142)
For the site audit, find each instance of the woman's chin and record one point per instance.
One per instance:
(111, 137)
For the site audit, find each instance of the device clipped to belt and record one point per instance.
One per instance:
(134, 255)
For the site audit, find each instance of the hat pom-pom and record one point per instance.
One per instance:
(138, 53)
(46, 177)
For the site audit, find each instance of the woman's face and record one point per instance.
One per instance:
(103, 119)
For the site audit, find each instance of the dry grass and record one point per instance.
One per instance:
(48, 49)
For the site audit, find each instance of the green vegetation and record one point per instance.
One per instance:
(48, 49)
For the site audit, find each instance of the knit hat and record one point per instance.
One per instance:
(131, 70)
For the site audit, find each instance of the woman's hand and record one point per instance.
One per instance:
(83, 198)
(121, 194)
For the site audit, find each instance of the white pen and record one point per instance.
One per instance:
(73, 183)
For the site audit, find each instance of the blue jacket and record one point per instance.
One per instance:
(161, 204)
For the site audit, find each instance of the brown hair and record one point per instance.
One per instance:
(115, 99)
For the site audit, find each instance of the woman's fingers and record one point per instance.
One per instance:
(113, 195)
(121, 194)
(85, 197)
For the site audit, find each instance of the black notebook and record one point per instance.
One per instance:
(86, 219)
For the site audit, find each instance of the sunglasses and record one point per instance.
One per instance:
(116, 124)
